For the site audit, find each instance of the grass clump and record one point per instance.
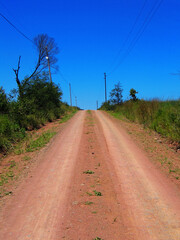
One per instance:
(89, 194)
(97, 193)
(88, 172)
(13, 164)
(26, 158)
(88, 203)
(8, 193)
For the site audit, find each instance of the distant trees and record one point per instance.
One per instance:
(3, 101)
(46, 48)
(132, 94)
(116, 94)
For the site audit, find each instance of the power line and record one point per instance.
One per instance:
(19, 31)
(63, 78)
(130, 32)
(142, 29)
(10, 13)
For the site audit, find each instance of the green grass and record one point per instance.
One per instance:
(161, 116)
(10, 133)
(15, 124)
(8, 193)
(88, 203)
(88, 172)
(26, 158)
(97, 193)
(5, 177)
(40, 141)
(89, 194)
(67, 116)
(13, 164)
(97, 238)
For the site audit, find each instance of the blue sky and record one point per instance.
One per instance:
(89, 35)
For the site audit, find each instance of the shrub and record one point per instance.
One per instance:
(10, 132)
(4, 104)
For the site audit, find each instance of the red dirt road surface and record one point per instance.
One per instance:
(93, 182)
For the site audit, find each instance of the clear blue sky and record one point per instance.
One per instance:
(89, 35)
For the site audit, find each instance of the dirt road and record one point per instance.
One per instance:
(93, 182)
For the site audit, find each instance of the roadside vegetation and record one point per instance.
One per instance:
(41, 104)
(35, 101)
(31, 105)
(161, 116)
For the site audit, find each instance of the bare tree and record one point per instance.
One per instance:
(46, 46)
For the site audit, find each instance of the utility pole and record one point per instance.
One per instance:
(70, 94)
(105, 87)
(47, 57)
(76, 101)
(97, 104)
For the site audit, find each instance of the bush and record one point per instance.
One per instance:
(10, 132)
(40, 101)
(4, 104)
(107, 106)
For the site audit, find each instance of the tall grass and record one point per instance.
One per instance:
(161, 116)
(10, 132)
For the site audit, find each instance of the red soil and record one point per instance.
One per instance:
(58, 201)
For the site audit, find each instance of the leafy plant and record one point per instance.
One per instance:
(88, 172)
(97, 193)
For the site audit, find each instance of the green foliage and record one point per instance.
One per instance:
(4, 104)
(88, 203)
(116, 94)
(132, 94)
(97, 193)
(41, 94)
(89, 194)
(40, 141)
(167, 120)
(40, 102)
(10, 132)
(107, 106)
(69, 114)
(88, 172)
(163, 117)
